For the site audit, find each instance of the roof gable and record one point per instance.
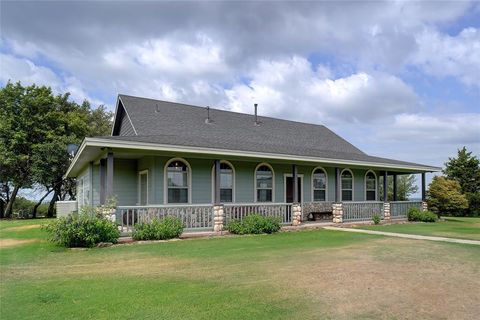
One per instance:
(122, 125)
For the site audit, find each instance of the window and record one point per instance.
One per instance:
(319, 185)
(264, 183)
(83, 190)
(370, 186)
(178, 181)
(347, 185)
(226, 182)
(143, 188)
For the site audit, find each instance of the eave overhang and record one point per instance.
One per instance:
(92, 148)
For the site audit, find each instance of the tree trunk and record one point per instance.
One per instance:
(51, 206)
(9, 209)
(35, 207)
(2, 207)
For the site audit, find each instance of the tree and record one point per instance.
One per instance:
(444, 197)
(35, 129)
(465, 169)
(406, 186)
(22, 118)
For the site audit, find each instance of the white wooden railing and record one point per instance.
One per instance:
(238, 211)
(193, 216)
(399, 209)
(361, 210)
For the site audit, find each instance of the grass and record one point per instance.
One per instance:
(451, 227)
(296, 275)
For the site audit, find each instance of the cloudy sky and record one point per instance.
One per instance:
(397, 79)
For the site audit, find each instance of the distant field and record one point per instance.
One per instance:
(452, 227)
(295, 275)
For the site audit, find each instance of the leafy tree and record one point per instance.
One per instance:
(465, 169)
(35, 129)
(406, 186)
(444, 197)
(22, 118)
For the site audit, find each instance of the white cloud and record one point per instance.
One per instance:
(443, 55)
(290, 88)
(27, 72)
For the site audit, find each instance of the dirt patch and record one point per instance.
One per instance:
(8, 243)
(386, 279)
(22, 228)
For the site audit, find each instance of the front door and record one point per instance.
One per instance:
(289, 189)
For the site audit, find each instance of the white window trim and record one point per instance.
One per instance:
(326, 184)
(353, 185)
(255, 182)
(365, 185)
(165, 180)
(139, 197)
(287, 175)
(233, 180)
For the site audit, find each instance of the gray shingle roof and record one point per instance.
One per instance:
(184, 125)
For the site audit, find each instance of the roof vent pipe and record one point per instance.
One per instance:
(208, 115)
(256, 117)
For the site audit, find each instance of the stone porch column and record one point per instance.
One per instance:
(424, 206)
(337, 212)
(386, 211)
(296, 214)
(218, 218)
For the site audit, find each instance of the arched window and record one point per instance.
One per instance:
(178, 181)
(319, 184)
(264, 183)
(227, 182)
(370, 186)
(347, 185)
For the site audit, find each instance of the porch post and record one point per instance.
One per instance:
(385, 186)
(102, 181)
(217, 182)
(295, 183)
(424, 198)
(423, 187)
(109, 188)
(337, 185)
(394, 187)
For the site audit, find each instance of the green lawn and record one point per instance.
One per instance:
(295, 275)
(451, 227)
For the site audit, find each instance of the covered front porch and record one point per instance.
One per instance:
(207, 193)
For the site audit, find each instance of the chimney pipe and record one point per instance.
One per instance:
(256, 118)
(208, 115)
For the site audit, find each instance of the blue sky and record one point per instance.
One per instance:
(397, 79)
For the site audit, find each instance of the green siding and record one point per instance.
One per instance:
(96, 185)
(125, 181)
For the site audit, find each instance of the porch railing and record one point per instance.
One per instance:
(399, 209)
(361, 210)
(238, 211)
(192, 216)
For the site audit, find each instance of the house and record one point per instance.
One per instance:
(207, 166)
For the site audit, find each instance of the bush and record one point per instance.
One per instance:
(415, 214)
(82, 230)
(445, 197)
(376, 219)
(255, 224)
(167, 228)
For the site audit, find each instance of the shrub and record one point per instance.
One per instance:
(167, 228)
(445, 197)
(82, 230)
(376, 219)
(415, 214)
(254, 224)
